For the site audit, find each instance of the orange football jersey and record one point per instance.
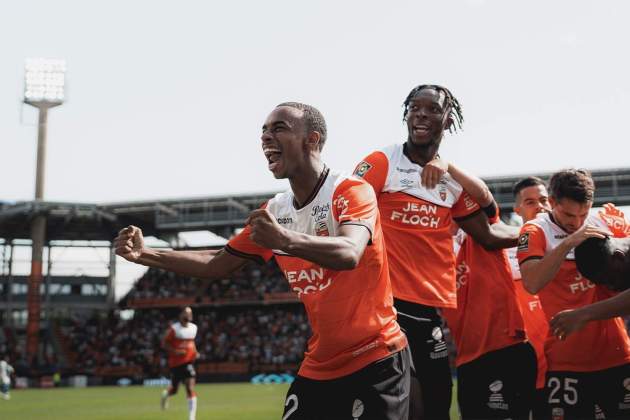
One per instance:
(182, 341)
(536, 324)
(417, 226)
(487, 316)
(351, 312)
(600, 344)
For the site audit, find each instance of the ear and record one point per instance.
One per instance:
(313, 139)
(447, 120)
(619, 256)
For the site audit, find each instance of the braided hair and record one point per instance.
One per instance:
(455, 109)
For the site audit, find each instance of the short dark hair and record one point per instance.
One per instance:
(313, 119)
(591, 257)
(574, 184)
(455, 109)
(530, 181)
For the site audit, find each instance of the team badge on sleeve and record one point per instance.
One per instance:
(523, 242)
(362, 169)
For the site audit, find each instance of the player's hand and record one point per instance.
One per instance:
(129, 243)
(567, 322)
(612, 210)
(432, 172)
(583, 233)
(266, 231)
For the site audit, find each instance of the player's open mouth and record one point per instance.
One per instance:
(273, 158)
(421, 129)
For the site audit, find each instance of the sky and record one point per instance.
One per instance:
(167, 99)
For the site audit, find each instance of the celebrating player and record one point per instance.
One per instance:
(496, 365)
(531, 199)
(604, 261)
(418, 201)
(179, 342)
(591, 366)
(325, 235)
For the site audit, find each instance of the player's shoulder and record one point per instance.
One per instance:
(343, 182)
(540, 223)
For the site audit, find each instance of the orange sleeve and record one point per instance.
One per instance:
(242, 246)
(465, 206)
(354, 202)
(374, 170)
(531, 243)
(615, 220)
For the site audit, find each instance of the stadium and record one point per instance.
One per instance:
(86, 338)
(166, 266)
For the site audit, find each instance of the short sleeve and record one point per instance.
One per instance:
(464, 206)
(354, 202)
(374, 170)
(242, 246)
(531, 243)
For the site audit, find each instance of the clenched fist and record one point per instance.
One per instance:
(129, 243)
(266, 231)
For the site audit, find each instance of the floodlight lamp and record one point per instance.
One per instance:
(44, 81)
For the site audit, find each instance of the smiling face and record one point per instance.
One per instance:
(283, 141)
(427, 117)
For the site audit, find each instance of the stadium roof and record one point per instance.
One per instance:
(218, 214)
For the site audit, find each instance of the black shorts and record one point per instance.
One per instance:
(182, 372)
(379, 391)
(500, 384)
(429, 352)
(589, 395)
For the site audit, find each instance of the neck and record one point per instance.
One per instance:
(422, 154)
(304, 182)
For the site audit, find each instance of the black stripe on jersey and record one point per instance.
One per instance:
(468, 216)
(318, 186)
(533, 257)
(253, 257)
(358, 223)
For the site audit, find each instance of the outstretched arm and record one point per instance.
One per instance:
(210, 264)
(569, 321)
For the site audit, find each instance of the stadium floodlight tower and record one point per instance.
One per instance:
(44, 83)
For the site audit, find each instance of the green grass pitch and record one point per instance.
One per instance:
(215, 402)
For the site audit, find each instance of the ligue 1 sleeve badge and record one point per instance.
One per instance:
(362, 168)
(523, 242)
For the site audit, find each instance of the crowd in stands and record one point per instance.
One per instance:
(13, 348)
(270, 335)
(250, 283)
